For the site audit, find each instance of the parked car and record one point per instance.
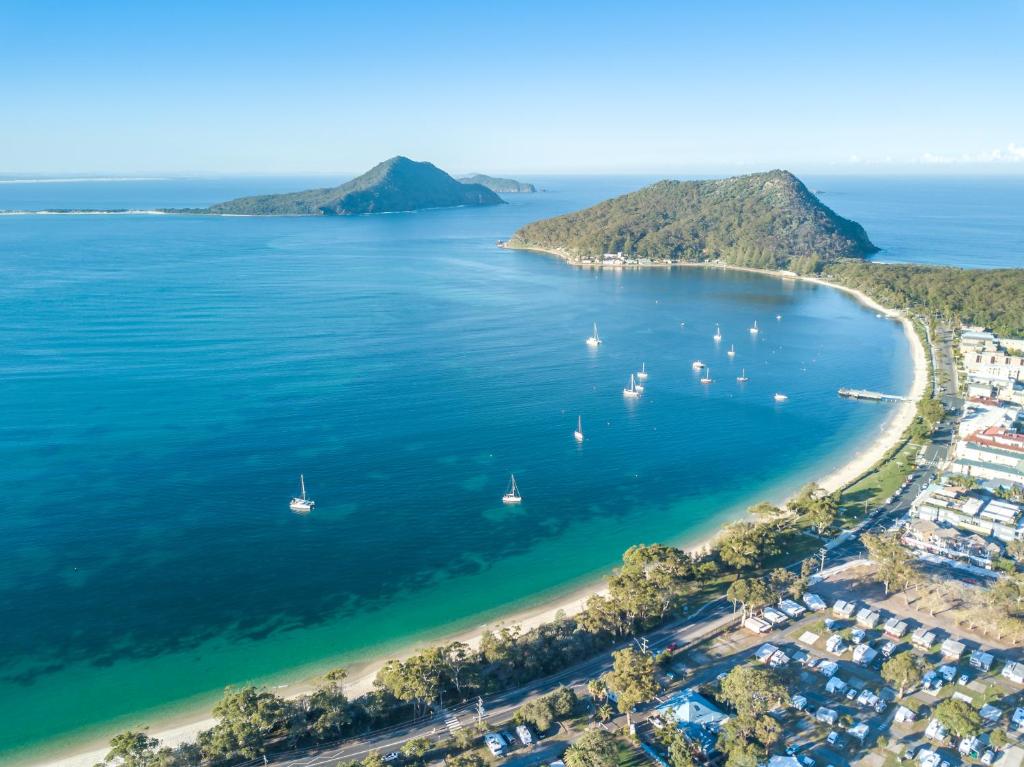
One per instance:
(857, 636)
(988, 757)
(888, 648)
(391, 756)
(909, 753)
(880, 706)
(835, 739)
(852, 693)
(657, 722)
(806, 760)
(963, 680)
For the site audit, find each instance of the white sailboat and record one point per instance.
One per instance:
(754, 329)
(732, 350)
(718, 334)
(631, 392)
(781, 397)
(578, 434)
(594, 340)
(778, 316)
(302, 503)
(697, 365)
(512, 494)
(742, 377)
(707, 377)
(642, 373)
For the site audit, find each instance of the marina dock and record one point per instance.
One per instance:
(871, 395)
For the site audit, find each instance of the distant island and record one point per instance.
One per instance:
(398, 184)
(764, 220)
(499, 185)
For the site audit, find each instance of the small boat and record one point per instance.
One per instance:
(718, 334)
(754, 329)
(639, 387)
(707, 377)
(594, 340)
(512, 494)
(778, 316)
(642, 374)
(781, 397)
(742, 377)
(631, 391)
(578, 434)
(697, 365)
(302, 503)
(732, 350)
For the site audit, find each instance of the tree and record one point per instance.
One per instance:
(133, 748)
(597, 689)
(892, 561)
(594, 748)
(248, 717)
(460, 662)
(631, 679)
(328, 706)
(605, 712)
(902, 670)
(750, 594)
(754, 690)
(416, 748)
(822, 512)
(373, 759)
(958, 717)
(784, 584)
(740, 545)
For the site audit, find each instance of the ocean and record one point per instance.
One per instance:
(165, 379)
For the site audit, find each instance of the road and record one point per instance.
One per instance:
(706, 621)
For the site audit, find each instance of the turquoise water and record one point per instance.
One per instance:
(165, 379)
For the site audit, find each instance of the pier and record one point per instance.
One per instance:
(871, 395)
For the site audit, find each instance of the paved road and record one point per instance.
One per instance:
(707, 621)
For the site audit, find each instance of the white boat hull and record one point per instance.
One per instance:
(630, 394)
(578, 436)
(300, 505)
(511, 499)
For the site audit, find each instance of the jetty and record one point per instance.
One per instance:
(877, 396)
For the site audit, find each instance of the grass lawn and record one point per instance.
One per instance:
(629, 755)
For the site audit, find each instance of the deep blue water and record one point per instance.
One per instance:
(165, 379)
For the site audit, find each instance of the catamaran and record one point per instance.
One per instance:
(642, 373)
(707, 377)
(732, 350)
(781, 397)
(302, 503)
(594, 340)
(512, 494)
(754, 329)
(718, 334)
(631, 391)
(578, 434)
(742, 377)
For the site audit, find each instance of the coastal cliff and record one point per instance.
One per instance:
(398, 184)
(764, 220)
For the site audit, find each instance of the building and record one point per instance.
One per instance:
(993, 453)
(1014, 671)
(859, 731)
(690, 707)
(867, 618)
(864, 655)
(835, 685)
(982, 660)
(791, 608)
(904, 714)
(950, 543)
(895, 628)
(814, 602)
(843, 609)
(827, 715)
(971, 510)
(951, 648)
(757, 625)
(923, 638)
(835, 645)
(936, 731)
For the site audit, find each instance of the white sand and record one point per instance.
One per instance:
(858, 464)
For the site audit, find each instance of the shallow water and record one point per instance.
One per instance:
(165, 379)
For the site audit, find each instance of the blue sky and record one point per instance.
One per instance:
(555, 87)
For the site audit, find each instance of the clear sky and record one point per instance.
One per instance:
(627, 86)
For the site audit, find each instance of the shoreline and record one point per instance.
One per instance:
(185, 727)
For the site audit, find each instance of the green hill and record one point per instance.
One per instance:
(499, 185)
(398, 184)
(764, 220)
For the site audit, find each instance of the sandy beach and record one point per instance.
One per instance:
(187, 727)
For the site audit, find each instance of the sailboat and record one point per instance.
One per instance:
(512, 494)
(642, 374)
(707, 377)
(631, 392)
(742, 377)
(781, 397)
(697, 365)
(754, 329)
(578, 434)
(778, 316)
(594, 340)
(302, 503)
(718, 334)
(732, 350)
